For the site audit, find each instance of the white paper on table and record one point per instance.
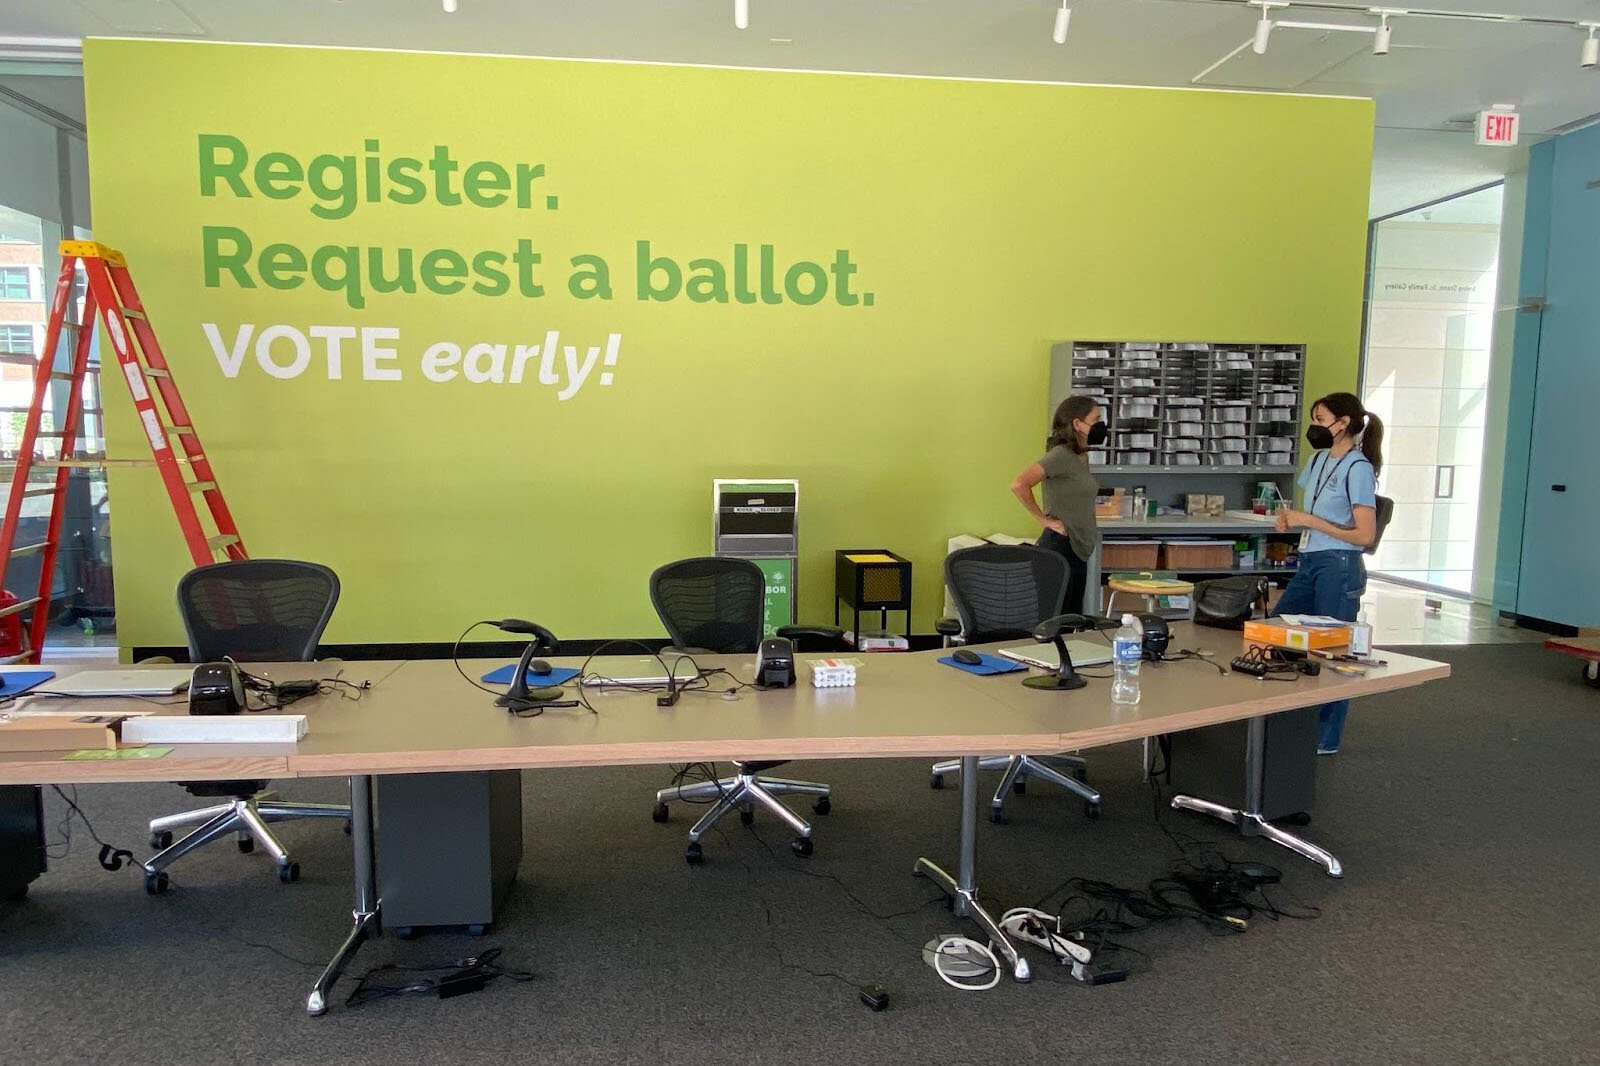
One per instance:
(1314, 621)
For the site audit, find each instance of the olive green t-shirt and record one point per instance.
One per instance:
(1068, 492)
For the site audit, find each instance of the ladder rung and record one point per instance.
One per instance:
(29, 549)
(48, 490)
(17, 608)
(222, 540)
(181, 431)
(198, 486)
(61, 375)
(128, 312)
(156, 372)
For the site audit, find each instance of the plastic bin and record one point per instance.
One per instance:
(1129, 554)
(1197, 555)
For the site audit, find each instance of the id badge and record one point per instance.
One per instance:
(1305, 538)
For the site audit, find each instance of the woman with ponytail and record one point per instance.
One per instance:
(1069, 488)
(1339, 487)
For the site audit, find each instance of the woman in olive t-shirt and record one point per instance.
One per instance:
(1069, 491)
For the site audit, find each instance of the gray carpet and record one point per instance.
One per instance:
(1464, 931)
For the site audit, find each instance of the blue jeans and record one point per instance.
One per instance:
(1330, 583)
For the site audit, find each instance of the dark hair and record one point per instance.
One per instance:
(1061, 429)
(1362, 421)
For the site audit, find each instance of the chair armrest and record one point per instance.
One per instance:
(948, 627)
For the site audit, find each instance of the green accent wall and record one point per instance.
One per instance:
(846, 279)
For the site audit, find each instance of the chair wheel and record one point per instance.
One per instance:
(658, 813)
(155, 882)
(289, 872)
(405, 932)
(936, 781)
(160, 841)
(477, 929)
(1091, 811)
(823, 805)
(247, 845)
(691, 854)
(1591, 673)
(1019, 787)
(801, 846)
(998, 816)
(747, 816)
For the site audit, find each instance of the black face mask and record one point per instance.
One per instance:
(1098, 434)
(1319, 437)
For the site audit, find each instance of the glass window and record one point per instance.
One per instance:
(14, 283)
(16, 340)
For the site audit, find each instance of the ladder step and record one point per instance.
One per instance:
(61, 375)
(29, 549)
(48, 490)
(181, 431)
(222, 540)
(128, 312)
(199, 486)
(18, 608)
(156, 372)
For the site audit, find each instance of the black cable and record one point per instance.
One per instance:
(433, 978)
(112, 858)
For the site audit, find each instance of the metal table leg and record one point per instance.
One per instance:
(366, 916)
(964, 891)
(1250, 821)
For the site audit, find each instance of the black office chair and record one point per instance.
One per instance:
(715, 605)
(1002, 592)
(253, 610)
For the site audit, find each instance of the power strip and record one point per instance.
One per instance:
(1253, 667)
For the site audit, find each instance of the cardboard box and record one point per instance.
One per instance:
(1273, 632)
(55, 733)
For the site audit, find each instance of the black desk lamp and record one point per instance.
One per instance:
(519, 697)
(1049, 630)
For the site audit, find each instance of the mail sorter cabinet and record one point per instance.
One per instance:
(448, 847)
(1210, 763)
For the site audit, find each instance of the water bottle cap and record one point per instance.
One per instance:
(1127, 619)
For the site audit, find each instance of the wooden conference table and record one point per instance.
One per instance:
(420, 716)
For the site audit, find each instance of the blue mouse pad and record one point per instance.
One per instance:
(992, 664)
(558, 675)
(16, 682)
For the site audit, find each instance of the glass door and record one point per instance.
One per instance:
(1431, 299)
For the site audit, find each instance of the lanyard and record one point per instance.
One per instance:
(1323, 483)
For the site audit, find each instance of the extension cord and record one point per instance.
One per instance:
(1028, 925)
(1253, 667)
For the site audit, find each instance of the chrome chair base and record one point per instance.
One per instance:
(1251, 824)
(744, 792)
(246, 819)
(1064, 770)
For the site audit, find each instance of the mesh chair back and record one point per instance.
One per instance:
(711, 603)
(262, 610)
(1002, 591)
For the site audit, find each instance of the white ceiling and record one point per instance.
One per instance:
(1438, 72)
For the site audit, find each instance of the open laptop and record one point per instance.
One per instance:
(159, 682)
(639, 671)
(1044, 655)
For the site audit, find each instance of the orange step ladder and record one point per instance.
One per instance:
(110, 295)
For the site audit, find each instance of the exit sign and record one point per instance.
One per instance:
(1498, 126)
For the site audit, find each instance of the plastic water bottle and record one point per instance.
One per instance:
(1127, 653)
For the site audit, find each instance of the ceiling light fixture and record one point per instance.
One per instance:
(1380, 43)
(1263, 30)
(450, 6)
(1590, 56)
(1063, 18)
(741, 14)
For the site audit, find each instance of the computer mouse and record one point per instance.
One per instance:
(539, 667)
(970, 658)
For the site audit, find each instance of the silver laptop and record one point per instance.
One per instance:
(639, 671)
(162, 682)
(1044, 655)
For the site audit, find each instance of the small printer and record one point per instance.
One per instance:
(775, 663)
(217, 688)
